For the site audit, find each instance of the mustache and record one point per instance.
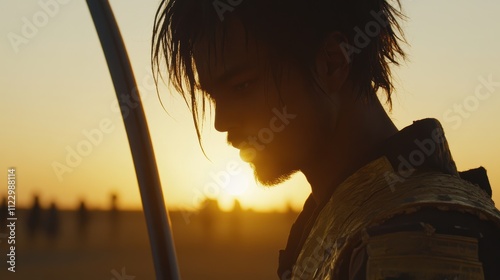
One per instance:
(236, 140)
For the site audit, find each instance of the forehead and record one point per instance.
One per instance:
(230, 49)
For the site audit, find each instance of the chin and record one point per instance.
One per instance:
(268, 175)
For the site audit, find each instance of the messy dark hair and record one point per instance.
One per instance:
(291, 30)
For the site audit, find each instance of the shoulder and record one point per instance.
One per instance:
(427, 244)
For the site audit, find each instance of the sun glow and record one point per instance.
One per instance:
(238, 184)
(238, 187)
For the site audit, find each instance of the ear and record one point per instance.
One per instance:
(332, 65)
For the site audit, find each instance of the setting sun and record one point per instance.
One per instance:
(239, 183)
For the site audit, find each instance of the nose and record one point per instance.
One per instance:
(224, 116)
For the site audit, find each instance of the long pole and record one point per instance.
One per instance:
(160, 236)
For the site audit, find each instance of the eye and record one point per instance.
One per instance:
(244, 85)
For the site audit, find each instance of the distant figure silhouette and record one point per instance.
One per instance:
(52, 225)
(83, 219)
(236, 217)
(34, 216)
(207, 215)
(3, 213)
(114, 217)
(237, 206)
(114, 202)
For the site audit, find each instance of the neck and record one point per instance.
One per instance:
(361, 129)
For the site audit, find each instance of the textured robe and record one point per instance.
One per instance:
(406, 214)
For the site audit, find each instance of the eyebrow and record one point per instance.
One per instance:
(228, 74)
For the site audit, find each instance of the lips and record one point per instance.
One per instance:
(236, 142)
(247, 153)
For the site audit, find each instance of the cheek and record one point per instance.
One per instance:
(314, 124)
(293, 122)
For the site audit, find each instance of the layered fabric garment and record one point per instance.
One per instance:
(406, 214)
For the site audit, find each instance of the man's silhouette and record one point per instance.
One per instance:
(83, 219)
(34, 216)
(294, 84)
(53, 221)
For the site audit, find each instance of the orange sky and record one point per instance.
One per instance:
(57, 97)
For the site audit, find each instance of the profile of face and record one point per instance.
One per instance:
(280, 125)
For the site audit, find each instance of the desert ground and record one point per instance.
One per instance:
(114, 245)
